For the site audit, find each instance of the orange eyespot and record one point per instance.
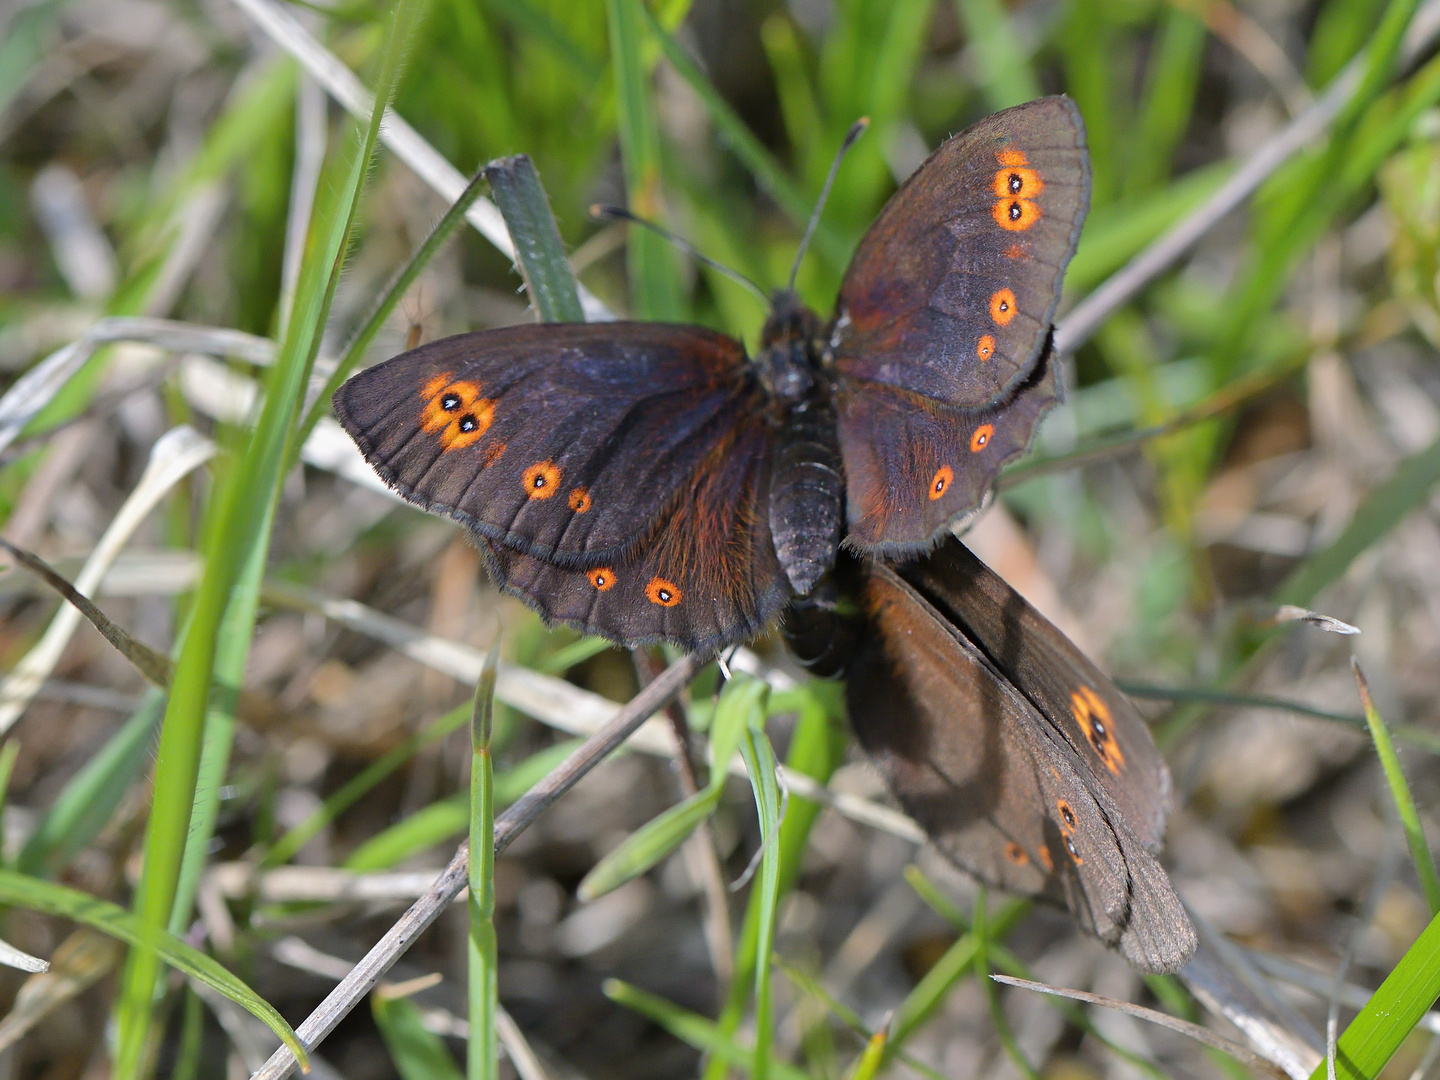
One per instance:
(1018, 182)
(1067, 816)
(941, 482)
(981, 438)
(1093, 716)
(985, 348)
(579, 500)
(541, 480)
(466, 429)
(1002, 307)
(1015, 215)
(492, 454)
(662, 592)
(602, 577)
(450, 403)
(1016, 854)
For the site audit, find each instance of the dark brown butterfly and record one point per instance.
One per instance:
(1023, 762)
(647, 481)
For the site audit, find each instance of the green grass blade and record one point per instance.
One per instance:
(811, 988)
(760, 764)
(18, 890)
(577, 652)
(527, 16)
(817, 747)
(958, 960)
(650, 843)
(654, 280)
(981, 933)
(1007, 962)
(1400, 792)
(867, 1066)
(1407, 488)
(695, 1030)
(736, 134)
(741, 705)
(355, 351)
(88, 801)
(355, 789)
(483, 1048)
(539, 253)
(1115, 234)
(232, 651)
(450, 818)
(1005, 72)
(8, 753)
(1392, 1012)
(1340, 31)
(243, 503)
(1172, 77)
(418, 1054)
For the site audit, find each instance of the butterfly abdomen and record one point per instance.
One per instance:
(805, 493)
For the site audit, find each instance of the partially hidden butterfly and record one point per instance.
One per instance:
(647, 481)
(1024, 764)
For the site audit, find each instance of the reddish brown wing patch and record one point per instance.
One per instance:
(912, 466)
(998, 206)
(706, 576)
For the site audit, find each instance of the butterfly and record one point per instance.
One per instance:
(1025, 765)
(648, 481)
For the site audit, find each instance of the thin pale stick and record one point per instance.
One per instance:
(363, 976)
(1085, 318)
(404, 141)
(1242, 1054)
(1384, 874)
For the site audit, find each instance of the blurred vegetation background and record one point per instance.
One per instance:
(162, 159)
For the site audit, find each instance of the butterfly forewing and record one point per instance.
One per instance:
(566, 442)
(913, 465)
(952, 291)
(1076, 699)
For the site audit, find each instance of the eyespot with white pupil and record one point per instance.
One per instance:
(450, 402)
(468, 424)
(1016, 183)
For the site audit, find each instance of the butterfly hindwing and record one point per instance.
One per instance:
(995, 786)
(932, 737)
(705, 577)
(952, 290)
(563, 441)
(913, 466)
(1076, 699)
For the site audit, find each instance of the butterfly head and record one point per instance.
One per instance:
(789, 358)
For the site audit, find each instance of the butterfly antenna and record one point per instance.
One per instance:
(605, 212)
(856, 130)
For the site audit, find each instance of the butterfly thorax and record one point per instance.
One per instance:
(806, 489)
